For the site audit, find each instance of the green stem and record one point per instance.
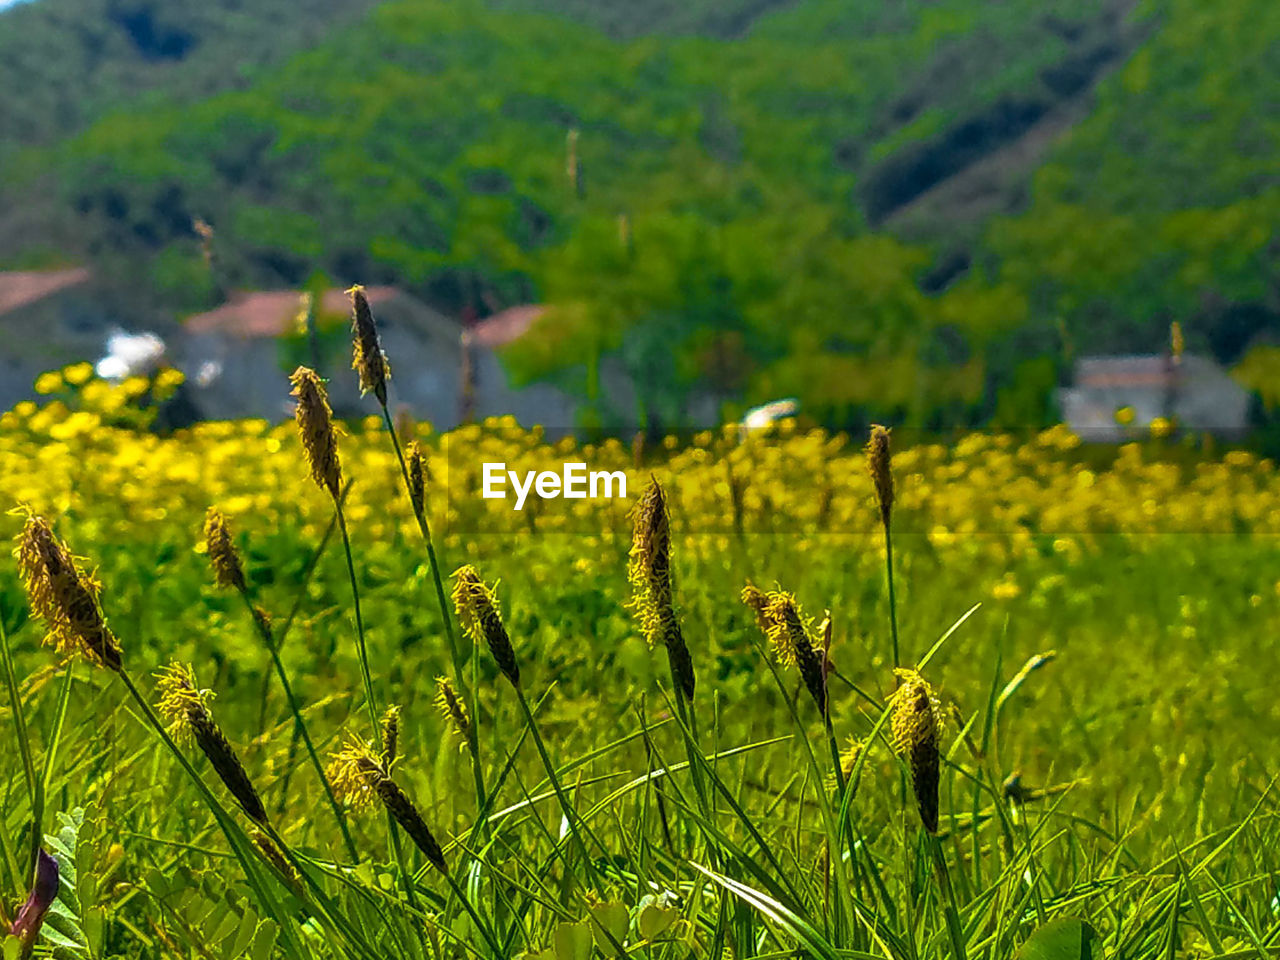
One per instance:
(835, 756)
(34, 787)
(950, 909)
(893, 604)
(465, 690)
(570, 815)
(264, 631)
(225, 821)
(475, 916)
(362, 649)
(397, 851)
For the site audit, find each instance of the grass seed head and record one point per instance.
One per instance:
(348, 775)
(227, 568)
(315, 426)
(360, 779)
(916, 734)
(417, 478)
(390, 736)
(880, 468)
(756, 599)
(276, 858)
(853, 748)
(404, 812)
(789, 633)
(652, 596)
(368, 360)
(452, 708)
(186, 707)
(64, 596)
(477, 609)
(649, 565)
(680, 661)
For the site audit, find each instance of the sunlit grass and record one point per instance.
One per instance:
(1097, 631)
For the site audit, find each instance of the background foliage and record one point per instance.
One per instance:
(901, 208)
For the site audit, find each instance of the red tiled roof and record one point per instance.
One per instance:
(19, 288)
(506, 326)
(1131, 371)
(268, 313)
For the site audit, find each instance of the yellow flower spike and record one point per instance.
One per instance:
(916, 733)
(316, 429)
(63, 595)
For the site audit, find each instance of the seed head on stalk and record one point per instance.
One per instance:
(315, 427)
(916, 733)
(390, 736)
(789, 634)
(477, 610)
(277, 859)
(853, 748)
(652, 595)
(417, 477)
(758, 601)
(368, 360)
(227, 568)
(64, 596)
(359, 778)
(452, 708)
(186, 707)
(879, 466)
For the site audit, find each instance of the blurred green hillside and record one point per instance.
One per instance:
(917, 210)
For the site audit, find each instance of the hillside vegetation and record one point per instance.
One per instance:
(920, 211)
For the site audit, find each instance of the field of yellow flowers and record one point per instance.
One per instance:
(1094, 632)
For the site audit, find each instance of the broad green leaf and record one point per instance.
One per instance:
(1064, 939)
(654, 919)
(573, 941)
(264, 940)
(613, 917)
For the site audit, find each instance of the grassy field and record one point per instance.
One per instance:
(1097, 627)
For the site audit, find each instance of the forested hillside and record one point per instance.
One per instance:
(916, 210)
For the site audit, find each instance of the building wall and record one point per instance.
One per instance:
(57, 331)
(1204, 399)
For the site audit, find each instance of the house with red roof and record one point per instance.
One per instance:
(238, 357)
(48, 319)
(1115, 398)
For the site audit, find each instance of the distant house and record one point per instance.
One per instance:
(48, 319)
(236, 357)
(1194, 391)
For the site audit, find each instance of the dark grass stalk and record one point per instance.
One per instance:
(466, 690)
(474, 914)
(836, 766)
(299, 724)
